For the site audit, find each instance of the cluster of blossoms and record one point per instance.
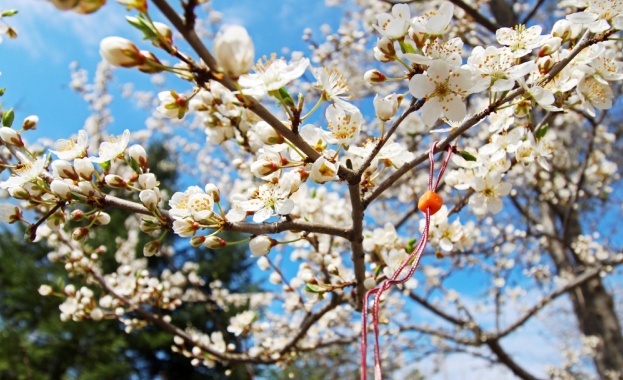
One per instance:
(509, 102)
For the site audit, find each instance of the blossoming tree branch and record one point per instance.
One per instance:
(416, 147)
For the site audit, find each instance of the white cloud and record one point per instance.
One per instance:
(45, 31)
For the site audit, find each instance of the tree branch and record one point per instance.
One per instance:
(356, 243)
(197, 45)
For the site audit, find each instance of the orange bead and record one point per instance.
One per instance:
(430, 200)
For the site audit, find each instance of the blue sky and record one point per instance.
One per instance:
(35, 66)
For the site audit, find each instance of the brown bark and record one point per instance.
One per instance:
(592, 304)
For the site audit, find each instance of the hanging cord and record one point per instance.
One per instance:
(413, 258)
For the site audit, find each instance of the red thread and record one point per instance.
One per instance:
(416, 255)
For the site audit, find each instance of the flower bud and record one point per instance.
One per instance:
(233, 50)
(151, 248)
(267, 134)
(263, 263)
(18, 192)
(88, 6)
(80, 233)
(84, 167)
(9, 213)
(562, 29)
(386, 107)
(114, 180)
(77, 215)
(274, 278)
(147, 181)
(150, 199)
(151, 65)
(30, 122)
(263, 168)
(214, 242)
(100, 218)
(261, 245)
(213, 191)
(197, 240)
(550, 46)
(45, 290)
(165, 32)
(64, 169)
(97, 314)
(11, 136)
(374, 76)
(61, 189)
(369, 283)
(139, 155)
(69, 290)
(64, 5)
(86, 188)
(120, 52)
(384, 50)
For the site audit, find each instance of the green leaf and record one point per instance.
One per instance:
(135, 166)
(285, 97)
(541, 132)
(2, 90)
(406, 47)
(467, 156)
(411, 245)
(316, 288)
(9, 13)
(8, 117)
(144, 26)
(377, 271)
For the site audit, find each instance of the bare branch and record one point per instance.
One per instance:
(287, 225)
(579, 280)
(356, 243)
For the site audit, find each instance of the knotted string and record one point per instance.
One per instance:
(414, 257)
